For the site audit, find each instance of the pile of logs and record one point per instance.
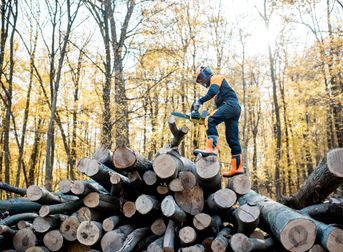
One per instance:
(170, 204)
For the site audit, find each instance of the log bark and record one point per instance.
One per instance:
(247, 218)
(320, 183)
(261, 244)
(111, 222)
(146, 204)
(113, 240)
(158, 227)
(44, 224)
(119, 183)
(125, 158)
(81, 188)
(194, 248)
(207, 173)
(133, 238)
(187, 236)
(171, 210)
(53, 240)
(7, 231)
(156, 246)
(43, 196)
(221, 242)
(240, 184)
(192, 201)
(16, 206)
(24, 239)
(221, 200)
(296, 232)
(178, 134)
(13, 189)
(101, 202)
(14, 219)
(65, 207)
(144, 243)
(169, 237)
(240, 243)
(89, 232)
(69, 227)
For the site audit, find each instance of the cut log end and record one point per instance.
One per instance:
(65, 185)
(34, 193)
(78, 187)
(188, 180)
(150, 178)
(240, 184)
(129, 209)
(240, 243)
(225, 198)
(207, 167)
(335, 162)
(53, 240)
(165, 166)
(145, 204)
(202, 221)
(24, 239)
(89, 232)
(92, 200)
(298, 235)
(44, 211)
(335, 240)
(124, 157)
(102, 154)
(248, 214)
(187, 235)
(158, 227)
(69, 227)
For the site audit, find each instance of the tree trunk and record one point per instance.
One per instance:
(89, 232)
(171, 210)
(296, 232)
(322, 181)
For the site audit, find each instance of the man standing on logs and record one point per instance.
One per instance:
(228, 111)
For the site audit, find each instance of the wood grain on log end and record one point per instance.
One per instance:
(335, 240)
(69, 227)
(78, 187)
(34, 192)
(202, 221)
(240, 184)
(83, 164)
(89, 232)
(158, 227)
(335, 162)
(124, 157)
(43, 224)
(165, 166)
(91, 168)
(192, 201)
(187, 235)
(240, 243)
(44, 211)
(172, 210)
(102, 155)
(188, 180)
(162, 189)
(298, 235)
(317, 248)
(53, 240)
(110, 223)
(65, 185)
(146, 203)
(24, 239)
(129, 209)
(207, 167)
(176, 185)
(150, 178)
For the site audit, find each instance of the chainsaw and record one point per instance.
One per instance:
(194, 116)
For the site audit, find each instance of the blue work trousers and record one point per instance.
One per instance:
(228, 113)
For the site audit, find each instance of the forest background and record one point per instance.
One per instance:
(79, 74)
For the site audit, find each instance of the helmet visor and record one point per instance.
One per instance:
(201, 79)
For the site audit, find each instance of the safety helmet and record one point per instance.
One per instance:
(203, 75)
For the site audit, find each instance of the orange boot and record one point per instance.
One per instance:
(212, 147)
(236, 166)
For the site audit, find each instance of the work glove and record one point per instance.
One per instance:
(195, 106)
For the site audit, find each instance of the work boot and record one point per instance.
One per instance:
(212, 148)
(236, 166)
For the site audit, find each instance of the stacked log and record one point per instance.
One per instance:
(170, 203)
